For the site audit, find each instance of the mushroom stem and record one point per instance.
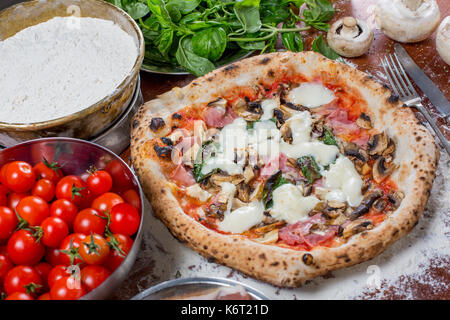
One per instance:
(413, 5)
(349, 27)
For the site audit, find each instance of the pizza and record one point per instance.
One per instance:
(284, 166)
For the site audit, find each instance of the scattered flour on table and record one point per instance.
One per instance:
(62, 66)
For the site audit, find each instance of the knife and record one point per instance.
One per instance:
(427, 86)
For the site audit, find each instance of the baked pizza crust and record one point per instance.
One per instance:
(416, 155)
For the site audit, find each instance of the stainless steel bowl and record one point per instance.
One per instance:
(77, 156)
(92, 120)
(186, 286)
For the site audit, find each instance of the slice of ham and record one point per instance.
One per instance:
(299, 233)
(362, 140)
(182, 176)
(279, 162)
(218, 117)
(337, 119)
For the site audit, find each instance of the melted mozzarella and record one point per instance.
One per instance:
(195, 191)
(310, 95)
(290, 205)
(268, 105)
(242, 219)
(300, 125)
(343, 176)
(323, 153)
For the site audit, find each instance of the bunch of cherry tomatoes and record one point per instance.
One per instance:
(62, 236)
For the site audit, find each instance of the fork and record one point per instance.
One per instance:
(403, 88)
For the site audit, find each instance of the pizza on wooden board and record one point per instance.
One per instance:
(284, 166)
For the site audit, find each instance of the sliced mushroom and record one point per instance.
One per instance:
(389, 151)
(365, 204)
(289, 109)
(257, 193)
(279, 115)
(355, 227)
(248, 174)
(269, 237)
(243, 192)
(219, 102)
(377, 143)
(379, 205)
(350, 37)
(395, 198)
(363, 121)
(382, 168)
(251, 111)
(236, 204)
(286, 132)
(352, 150)
(220, 178)
(216, 211)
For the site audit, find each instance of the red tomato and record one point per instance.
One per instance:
(50, 171)
(3, 198)
(19, 176)
(124, 219)
(67, 288)
(23, 248)
(89, 221)
(45, 296)
(45, 189)
(56, 273)
(92, 276)
(3, 174)
(5, 266)
(87, 200)
(19, 296)
(33, 209)
(72, 188)
(121, 180)
(132, 197)
(120, 245)
(22, 279)
(106, 201)
(70, 246)
(8, 222)
(94, 249)
(54, 256)
(99, 182)
(65, 210)
(43, 269)
(14, 199)
(54, 230)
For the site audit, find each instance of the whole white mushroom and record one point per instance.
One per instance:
(350, 37)
(407, 20)
(443, 40)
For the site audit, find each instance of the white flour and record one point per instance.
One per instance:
(61, 66)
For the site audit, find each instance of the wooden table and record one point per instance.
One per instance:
(426, 57)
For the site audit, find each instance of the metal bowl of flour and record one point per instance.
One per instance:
(93, 119)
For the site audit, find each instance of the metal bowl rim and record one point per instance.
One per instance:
(116, 157)
(99, 104)
(197, 280)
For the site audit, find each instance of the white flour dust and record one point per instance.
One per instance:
(61, 66)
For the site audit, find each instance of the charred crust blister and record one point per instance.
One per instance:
(156, 124)
(393, 98)
(177, 116)
(163, 152)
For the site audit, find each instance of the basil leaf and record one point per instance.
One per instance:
(185, 6)
(137, 10)
(320, 46)
(174, 12)
(164, 41)
(328, 137)
(273, 11)
(210, 43)
(190, 61)
(309, 167)
(292, 41)
(158, 8)
(274, 181)
(318, 10)
(247, 12)
(191, 17)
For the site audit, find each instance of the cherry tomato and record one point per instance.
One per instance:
(22, 279)
(89, 221)
(33, 209)
(45, 296)
(8, 222)
(70, 247)
(54, 230)
(87, 200)
(23, 248)
(50, 171)
(43, 268)
(19, 176)
(19, 296)
(92, 276)
(67, 288)
(120, 245)
(3, 174)
(72, 188)
(45, 189)
(132, 197)
(5, 265)
(54, 256)
(106, 202)
(56, 273)
(125, 219)
(121, 180)
(14, 199)
(65, 210)
(94, 249)
(99, 182)
(3, 198)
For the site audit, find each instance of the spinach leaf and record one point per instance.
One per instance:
(247, 12)
(137, 10)
(328, 137)
(292, 41)
(309, 167)
(210, 43)
(185, 6)
(320, 46)
(191, 62)
(274, 181)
